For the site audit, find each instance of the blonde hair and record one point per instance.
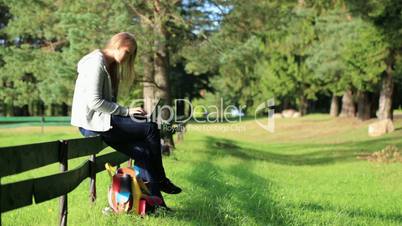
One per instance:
(124, 73)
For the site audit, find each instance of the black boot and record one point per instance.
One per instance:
(168, 187)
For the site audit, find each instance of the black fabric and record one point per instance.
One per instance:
(139, 140)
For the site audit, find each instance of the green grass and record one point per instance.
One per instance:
(306, 173)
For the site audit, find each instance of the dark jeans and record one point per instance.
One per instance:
(139, 140)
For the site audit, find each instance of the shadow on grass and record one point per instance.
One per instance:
(315, 207)
(235, 195)
(312, 154)
(243, 199)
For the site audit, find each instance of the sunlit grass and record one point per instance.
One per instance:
(306, 173)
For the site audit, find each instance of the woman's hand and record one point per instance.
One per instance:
(136, 111)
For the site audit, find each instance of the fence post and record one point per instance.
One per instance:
(63, 159)
(42, 123)
(92, 180)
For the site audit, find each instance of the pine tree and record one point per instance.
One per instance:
(348, 56)
(387, 17)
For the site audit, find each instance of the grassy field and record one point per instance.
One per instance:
(306, 173)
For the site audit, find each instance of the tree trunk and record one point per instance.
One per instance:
(149, 81)
(348, 106)
(363, 106)
(41, 108)
(8, 109)
(48, 109)
(303, 105)
(149, 85)
(64, 108)
(190, 109)
(387, 88)
(180, 105)
(334, 106)
(161, 64)
(31, 108)
(2, 109)
(285, 104)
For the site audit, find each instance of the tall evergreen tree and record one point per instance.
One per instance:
(52, 36)
(348, 57)
(387, 17)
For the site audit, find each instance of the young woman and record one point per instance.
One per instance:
(101, 74)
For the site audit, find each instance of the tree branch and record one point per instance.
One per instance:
(136, 12)
(52, 46)
(219, 8)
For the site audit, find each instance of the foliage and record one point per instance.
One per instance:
(293, 51)
(297, 51)
(350, 53)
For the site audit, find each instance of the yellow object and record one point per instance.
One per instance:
(110, 169)
(136, 194)
(136, 190)
(144, 188)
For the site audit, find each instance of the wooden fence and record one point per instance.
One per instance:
(18, 159)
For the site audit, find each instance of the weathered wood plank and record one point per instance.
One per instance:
(16, 195)
(84, 146)
(19, 194)
(21, 158)
(114, 158)
(53, 186)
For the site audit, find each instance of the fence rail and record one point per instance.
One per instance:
(16, 119)
(18, 159)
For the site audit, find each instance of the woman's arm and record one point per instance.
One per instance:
(95, 79)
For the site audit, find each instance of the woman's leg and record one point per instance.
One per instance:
(138, 151)
(145, 134)
(126, 130)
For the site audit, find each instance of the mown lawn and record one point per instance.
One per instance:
(306, 173)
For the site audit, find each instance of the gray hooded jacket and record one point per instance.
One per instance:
(93, 101)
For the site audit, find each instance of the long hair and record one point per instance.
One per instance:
(124, 73)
